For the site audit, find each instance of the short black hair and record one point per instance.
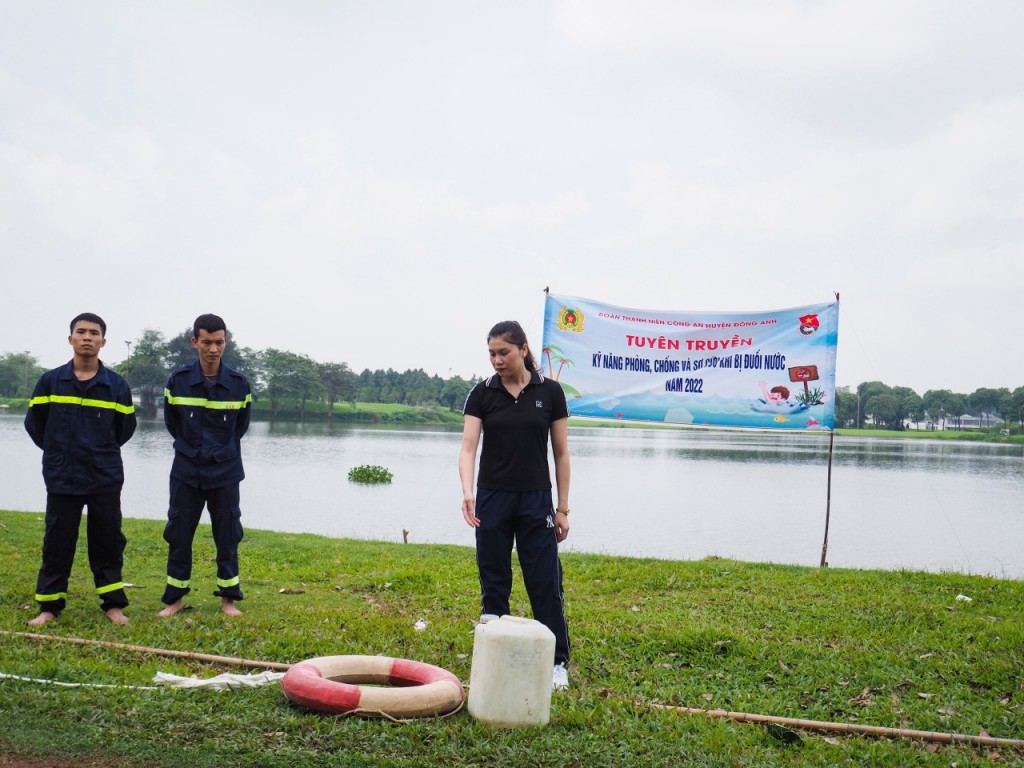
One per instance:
(209, 323)
(90, 317)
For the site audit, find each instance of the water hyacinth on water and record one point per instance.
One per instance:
(370, 474)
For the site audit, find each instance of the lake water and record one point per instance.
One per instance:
(679, 494)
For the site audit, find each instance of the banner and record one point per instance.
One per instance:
(764, 370)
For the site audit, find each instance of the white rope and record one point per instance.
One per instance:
(224, 682)
(5, 676)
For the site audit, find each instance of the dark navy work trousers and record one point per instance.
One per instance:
(183, 515)
(106, 549)
(525, 519)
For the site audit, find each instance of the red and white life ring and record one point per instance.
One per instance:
(341, 685)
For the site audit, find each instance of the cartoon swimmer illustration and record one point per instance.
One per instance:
(775, 394)
(775, 401)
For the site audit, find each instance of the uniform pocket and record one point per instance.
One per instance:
(171, 529)
(224, 425)
(53, 459)
(226, 453)
(182, 446)
(106, 458)
(236, 523)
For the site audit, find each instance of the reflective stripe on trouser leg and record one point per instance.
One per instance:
(106, 549)
(186, 507)
(63, 518)
(226, 519)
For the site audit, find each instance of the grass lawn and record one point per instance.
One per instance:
(892, 649)
(987, 436)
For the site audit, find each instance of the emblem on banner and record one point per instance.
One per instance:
(809, 324)
(570, 319)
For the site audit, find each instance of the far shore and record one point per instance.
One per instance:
(435, 415)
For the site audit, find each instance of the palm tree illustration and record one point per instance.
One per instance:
(554, 355)
(551, 351)
(562, 362)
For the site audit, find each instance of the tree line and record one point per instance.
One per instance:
(281, 376)
(276, 375)
(896, 408)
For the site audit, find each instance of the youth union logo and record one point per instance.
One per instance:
(809, 324)
(570, 319)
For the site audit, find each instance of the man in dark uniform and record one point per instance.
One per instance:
(206, 409)
(80, 415)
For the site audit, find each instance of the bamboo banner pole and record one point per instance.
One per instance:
(865, 730)
(828, 487)
(828, 500)
(230, 660)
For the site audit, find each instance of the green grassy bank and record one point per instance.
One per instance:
(410, 415)
(357, 413)
(971, 436)
(892, 649)
(342, 413)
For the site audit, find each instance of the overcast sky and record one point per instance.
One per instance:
(377, 183)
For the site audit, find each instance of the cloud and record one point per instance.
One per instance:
(794, 38)
(965, 176)
(355, 184)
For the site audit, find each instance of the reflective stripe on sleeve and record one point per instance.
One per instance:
(202, 402)
(83, 401)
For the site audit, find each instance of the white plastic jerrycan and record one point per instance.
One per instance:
(510, 680)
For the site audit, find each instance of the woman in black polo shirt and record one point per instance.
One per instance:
(517, 409)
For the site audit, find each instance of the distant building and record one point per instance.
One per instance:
(981, 421)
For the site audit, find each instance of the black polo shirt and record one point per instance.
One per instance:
(515, 449)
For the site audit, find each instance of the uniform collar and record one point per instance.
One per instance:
(495, 381)
(197, 376)
(67, 371)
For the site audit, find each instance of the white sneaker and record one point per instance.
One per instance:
(560, 678)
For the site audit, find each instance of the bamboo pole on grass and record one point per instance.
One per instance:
(191, 655)
(849, 728)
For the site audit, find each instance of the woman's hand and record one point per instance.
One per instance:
(561, 526)
(469, 511)
(472, 427)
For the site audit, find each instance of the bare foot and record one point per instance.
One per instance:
(44, 617)
(116, 615)
(171, 609)
(228, 606)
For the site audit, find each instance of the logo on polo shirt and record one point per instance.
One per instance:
(539, 403)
